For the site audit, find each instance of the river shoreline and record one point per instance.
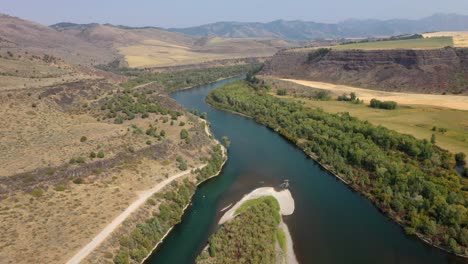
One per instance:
(327, 168)
(198, 184)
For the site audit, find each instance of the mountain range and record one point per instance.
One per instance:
(302, 30)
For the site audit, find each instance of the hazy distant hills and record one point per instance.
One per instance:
(302, 30)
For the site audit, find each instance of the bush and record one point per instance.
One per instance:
(100, 154)
(60, 188)
(184, 134)
(92, 155)
(162, 133)
(389, 105)
(83, 139)
(460, 159)
(78, 181)
(281, 92)
(182, 123)
(37, 193)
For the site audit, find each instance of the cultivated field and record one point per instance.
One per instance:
(423, 43)
(460, 38)
(417, 120)
(449, 101)
(158, 53)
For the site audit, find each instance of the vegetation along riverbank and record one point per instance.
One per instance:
(413, 181)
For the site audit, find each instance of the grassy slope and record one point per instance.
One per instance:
(425, 43)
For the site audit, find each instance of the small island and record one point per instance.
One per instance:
(253, 231)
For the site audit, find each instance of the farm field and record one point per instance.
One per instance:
(422, 43)
(158, 53)
(417, 120)
(460, 38)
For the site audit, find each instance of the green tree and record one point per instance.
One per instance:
(460, 159)
(226, 141)
(433, 139)
(184, 134)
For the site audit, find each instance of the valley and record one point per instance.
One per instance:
(233, 142)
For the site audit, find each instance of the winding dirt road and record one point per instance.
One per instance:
(142, 197)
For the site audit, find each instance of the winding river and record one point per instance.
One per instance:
(331, 223)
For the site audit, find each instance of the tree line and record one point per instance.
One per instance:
(413, 181)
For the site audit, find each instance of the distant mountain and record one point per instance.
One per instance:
(302, 30)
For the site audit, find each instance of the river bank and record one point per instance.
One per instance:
(327, 216)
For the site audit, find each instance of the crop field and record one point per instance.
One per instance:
(160, 53)
(423, 43)
(460, 38)
(417, 120)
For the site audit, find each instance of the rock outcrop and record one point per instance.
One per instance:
(422, 71)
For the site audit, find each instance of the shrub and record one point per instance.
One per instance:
(92, 155)
(60, 188)
(460, 159)
(78, 181)
(37, 193)
(389, 105)
(100, 154)
(83, 139)
(184, 134)
(281, 92)
(182, 123)
(162, 133)
(148, 142)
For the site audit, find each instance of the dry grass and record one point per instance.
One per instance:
(50, 228)
(49, 223)
(417, 120)
(26, 72)
(154, 52)
(449, 101)
(460, 38)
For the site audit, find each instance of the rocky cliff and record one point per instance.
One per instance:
(423, 71)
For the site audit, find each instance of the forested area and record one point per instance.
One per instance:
(413, 181)
(172, 81)
(248, 238)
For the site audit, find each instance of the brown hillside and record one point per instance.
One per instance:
(422, 71)
(21, 35)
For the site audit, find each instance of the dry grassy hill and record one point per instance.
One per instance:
(154, 47)
(18, 35)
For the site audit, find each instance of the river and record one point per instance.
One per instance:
(331, 223)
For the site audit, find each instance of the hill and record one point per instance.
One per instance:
(154, 47)
(21, 35)
(304, 30)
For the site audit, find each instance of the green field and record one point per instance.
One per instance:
(422, 43)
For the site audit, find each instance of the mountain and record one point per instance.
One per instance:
(302, 30)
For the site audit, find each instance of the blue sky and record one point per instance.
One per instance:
(180, 13)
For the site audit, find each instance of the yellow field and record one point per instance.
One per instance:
(460, 38)
(449, 101)
(417, 120)
(153, 52)
(157, 53)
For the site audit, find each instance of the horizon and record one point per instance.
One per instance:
(169, 15)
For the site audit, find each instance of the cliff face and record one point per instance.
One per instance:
(422, 71)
